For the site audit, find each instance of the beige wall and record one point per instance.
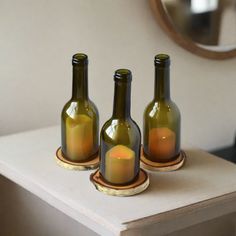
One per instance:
(38, 38)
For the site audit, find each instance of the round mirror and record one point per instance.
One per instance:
(204, 27)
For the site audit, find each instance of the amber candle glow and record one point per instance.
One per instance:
(162, 143)
(79, 137)
(119, 165)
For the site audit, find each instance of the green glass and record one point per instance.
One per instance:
(79, 117)
(161, 122)
(120, 136)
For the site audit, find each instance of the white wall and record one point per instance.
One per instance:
(38, 38)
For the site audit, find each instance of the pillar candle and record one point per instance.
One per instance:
(119, 164)
(162, 143)
(79, 137)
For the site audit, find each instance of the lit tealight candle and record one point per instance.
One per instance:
(120, 164)
(79, 138)
(161, 143)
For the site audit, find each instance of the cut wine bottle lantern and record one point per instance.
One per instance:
(120, 137)
(120, 141)
(79, 122)
(161, 126)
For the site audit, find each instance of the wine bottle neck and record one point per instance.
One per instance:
(121, 105)
(80, 82)
(162, 83)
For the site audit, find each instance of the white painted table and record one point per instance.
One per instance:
(205, 188)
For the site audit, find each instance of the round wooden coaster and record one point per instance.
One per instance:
(167, 166)
(136, 187)
(89, 165)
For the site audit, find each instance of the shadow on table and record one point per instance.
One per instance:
(198, 170)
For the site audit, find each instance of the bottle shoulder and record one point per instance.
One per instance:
(128, 123)
(93, 106)
(74, 108)
(156, 107)
(125, 127)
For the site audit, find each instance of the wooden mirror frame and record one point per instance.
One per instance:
(184, 42)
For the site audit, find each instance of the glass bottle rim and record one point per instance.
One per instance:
(123, 75)
(80, 59)
(162, 60)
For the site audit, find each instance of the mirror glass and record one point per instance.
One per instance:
(211, 24)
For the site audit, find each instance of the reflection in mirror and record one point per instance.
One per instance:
(211, 24)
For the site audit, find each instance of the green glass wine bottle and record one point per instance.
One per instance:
(120, 136)
(79, 118)
(161, 126)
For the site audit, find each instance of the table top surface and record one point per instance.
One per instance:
(28, 160)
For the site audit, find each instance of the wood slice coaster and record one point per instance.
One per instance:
(141, 183)
(167, 166)
(89, 165)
